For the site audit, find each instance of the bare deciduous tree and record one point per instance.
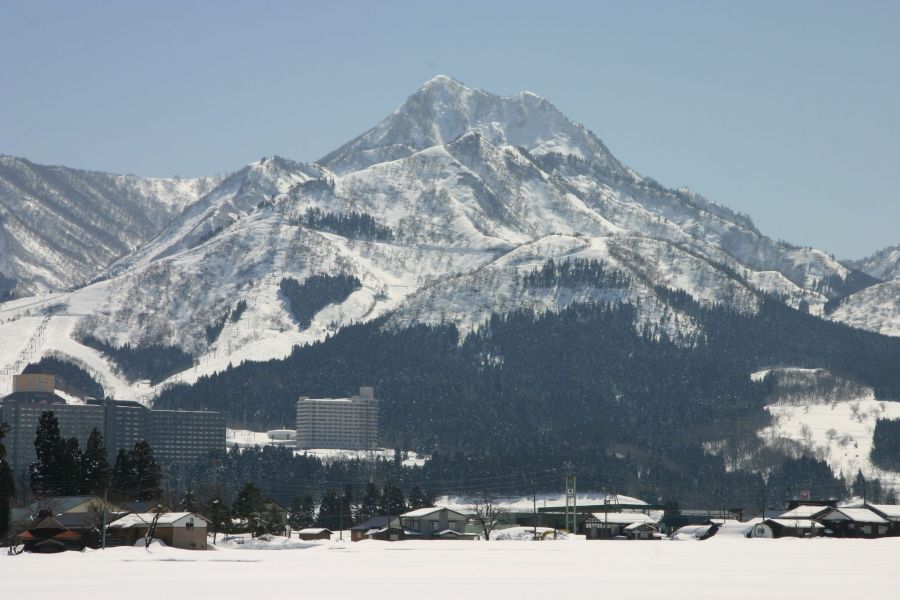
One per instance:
(487, 513)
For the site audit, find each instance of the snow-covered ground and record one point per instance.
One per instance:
(245, 438)
(730, 567)
(544, 500)
(835, 424)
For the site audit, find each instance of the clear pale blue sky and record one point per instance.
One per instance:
(788, 111)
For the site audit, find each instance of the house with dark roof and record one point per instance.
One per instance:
(435, 523)
(793, 528)
(806, 511)
(371, 526)
(854, 522)
(612, 525)
(891, 513)
(49, 535)
(314, 533)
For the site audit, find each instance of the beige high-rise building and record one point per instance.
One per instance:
(345, 423)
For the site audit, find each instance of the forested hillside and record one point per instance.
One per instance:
(533, 391)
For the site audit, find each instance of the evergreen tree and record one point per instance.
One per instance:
(329, 511)
(296, 518)
(189, 502)
(417, 498)
(248, 506)
(7, 487)
(859, 485)
(368, 508)
(218, 513)
(47, 475)
(136, 474)
(122, 484)
(146, 472)
(346, 508)
(308, 512)
(71, 463)
(94, 465)
(392, 501)
(303, 512)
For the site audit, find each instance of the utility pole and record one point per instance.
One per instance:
(103, 517)
(341, 516)
(570, 497)
(606, 513)
(534, 507)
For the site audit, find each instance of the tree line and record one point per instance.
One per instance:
(64, 469)
(304, 300)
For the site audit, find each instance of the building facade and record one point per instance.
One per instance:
(345, 423)
(175, 436)
(22, 412)
(185, 437)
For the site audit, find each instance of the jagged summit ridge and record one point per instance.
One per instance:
(444, 109)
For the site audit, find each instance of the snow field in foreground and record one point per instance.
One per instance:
(715, 569)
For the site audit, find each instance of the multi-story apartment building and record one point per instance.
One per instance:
(181, 436)
(346, 423)
(175, 436)
(22, 412)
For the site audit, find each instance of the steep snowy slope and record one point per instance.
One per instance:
(463, 194)
(876, 308)
(884, 264)
(60, 227)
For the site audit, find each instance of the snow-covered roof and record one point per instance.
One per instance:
(620, 518)
(444, 532)
(408, 532)
(891, 511)
(804, 511)
(424, 512)
(859, 515)
(165, 520)
(637, 526)
(797, 523)
(313, 531)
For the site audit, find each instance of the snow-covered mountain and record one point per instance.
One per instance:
(61, 227)
(884, 264)
(876, 308)
(469, 192)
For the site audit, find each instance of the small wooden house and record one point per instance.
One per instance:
(891, 513)
(49, 535)
(393, 533)
(612, 525)
(179, 530)
(641, 531)
(359, 532)
(428, 522)
(794, 528)
(854, 522)
(314, 533)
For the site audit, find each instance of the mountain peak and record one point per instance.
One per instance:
(443, 81)
(444, 109)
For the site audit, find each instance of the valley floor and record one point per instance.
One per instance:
(733, 568)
